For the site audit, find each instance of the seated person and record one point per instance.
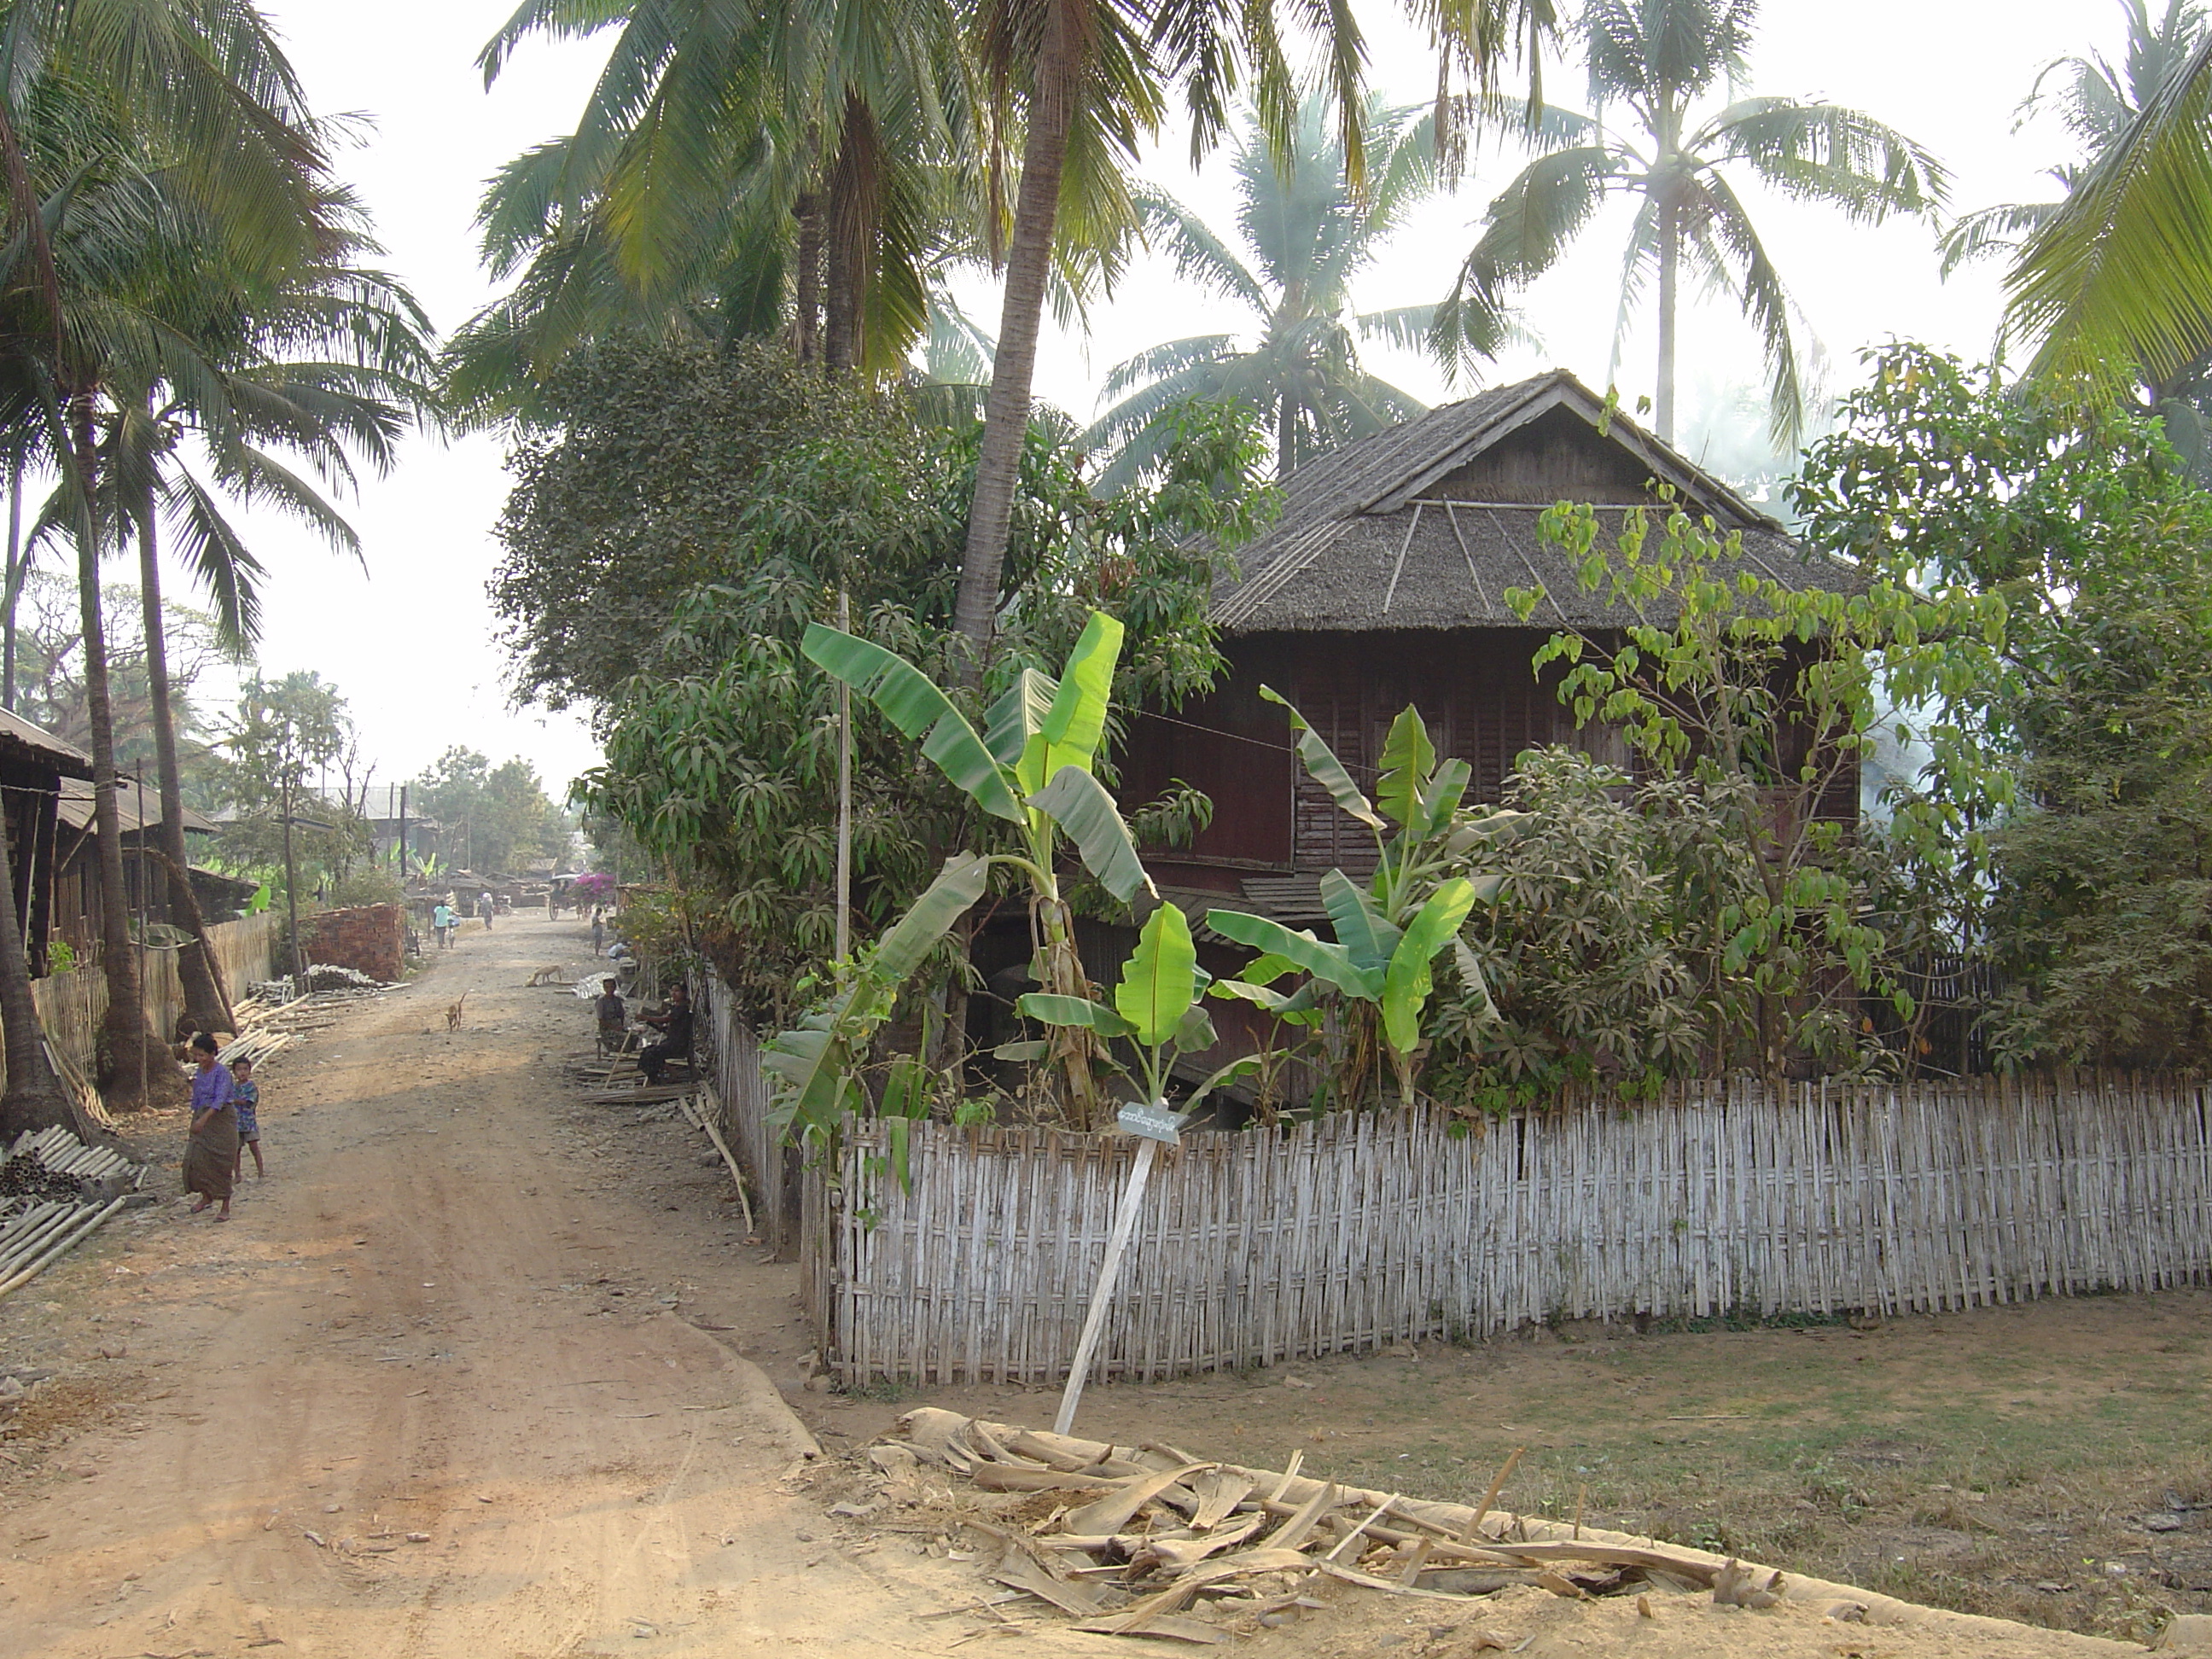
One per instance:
(614, 1021)
(675, 1043)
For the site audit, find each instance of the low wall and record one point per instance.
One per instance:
(369, 939)
(1367, 1230)
(71, 1005)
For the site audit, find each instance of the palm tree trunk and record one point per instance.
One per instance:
(124, 1026)
(808, 285)
(205, 1004)
(1670, 276)
(13, 594)
(1286, 437)
(1006, 415)
(34, 1099)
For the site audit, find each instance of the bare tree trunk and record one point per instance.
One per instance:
(124, 1026)
(1670, 276)
(1058, 82)
(205, 1004)
(34, 1098)
(1286, 437)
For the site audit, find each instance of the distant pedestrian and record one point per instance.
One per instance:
(211, 1148)
(599, 929)
(246, 1097)
(441, 923)
(483, 909)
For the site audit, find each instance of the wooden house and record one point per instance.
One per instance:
(1384, 583)
(76, 885)
(35, 767)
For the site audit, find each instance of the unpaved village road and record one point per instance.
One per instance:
(443, 1314)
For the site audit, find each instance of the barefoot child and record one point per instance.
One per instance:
(246, 1096)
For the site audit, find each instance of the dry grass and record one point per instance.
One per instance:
(2002, 1461)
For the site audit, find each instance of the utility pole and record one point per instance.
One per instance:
(403, 834)
(844, 792)
(292, 874)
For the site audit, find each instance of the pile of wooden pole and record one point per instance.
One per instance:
(1141, 1541)
(34, 1240)
(58, 1152)
(35, 1233)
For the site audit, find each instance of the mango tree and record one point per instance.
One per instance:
(1373, 981)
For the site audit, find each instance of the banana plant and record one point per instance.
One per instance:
(1034, 766)
(1157, 1008)
(817, 1064)
(1378, 970)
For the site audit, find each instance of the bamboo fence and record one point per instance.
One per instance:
(731, 1062)
(1363, 1231)
(71, 1005)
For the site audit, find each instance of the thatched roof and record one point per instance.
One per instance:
(1428, 525)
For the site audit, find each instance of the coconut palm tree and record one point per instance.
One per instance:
(1305, 240)
(1678, 165)
(114, 181)
(335, 363)
(2112, 279)
(2096, 99)
(733, 160)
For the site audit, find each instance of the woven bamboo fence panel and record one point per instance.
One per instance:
(1363, 1230)
(71, 1005)
(732, 1061)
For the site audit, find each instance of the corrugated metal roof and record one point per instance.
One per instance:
(76, 809)
(71, 760)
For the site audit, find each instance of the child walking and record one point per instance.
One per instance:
(246, 1096)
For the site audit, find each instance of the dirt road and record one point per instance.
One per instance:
(462, 1305)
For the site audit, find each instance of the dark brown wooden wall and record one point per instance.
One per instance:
(1554, 456)
(1475, 689)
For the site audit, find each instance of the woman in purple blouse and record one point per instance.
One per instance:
(211, 1152)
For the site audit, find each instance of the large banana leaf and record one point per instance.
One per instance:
(1076, 720)
(1322, 765)
(1447, 788)
(1079, 804)
(1018, 716)
(1405, 987)
(1299, 1007)
(1361, 929)
(911, 701)
(914, 935)
(1079, 1011)
(1197, 1096)
(1301, 949)
(1407, 759)
(813, 1062)
(1160, 980)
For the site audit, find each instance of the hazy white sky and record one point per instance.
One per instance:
(410, 640)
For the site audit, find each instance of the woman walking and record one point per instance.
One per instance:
(211, 1150)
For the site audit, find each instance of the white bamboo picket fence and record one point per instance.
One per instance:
(1368, 1230)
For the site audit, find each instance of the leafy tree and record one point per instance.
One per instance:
(494, 818)
(1763, 700)
(2083, 524)
(1306, 241)
(722, 750)
(1678, 166)
(282, 738)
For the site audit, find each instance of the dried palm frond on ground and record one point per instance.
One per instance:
(1153, 1540)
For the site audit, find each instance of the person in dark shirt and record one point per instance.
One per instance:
(675, 1028)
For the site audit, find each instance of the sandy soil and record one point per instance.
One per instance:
(466, 1306)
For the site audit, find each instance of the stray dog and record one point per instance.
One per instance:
(453, 1013)
(550, 975)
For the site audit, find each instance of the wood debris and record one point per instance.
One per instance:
(1151, 1541)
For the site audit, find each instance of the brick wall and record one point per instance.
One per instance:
(370, 939)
